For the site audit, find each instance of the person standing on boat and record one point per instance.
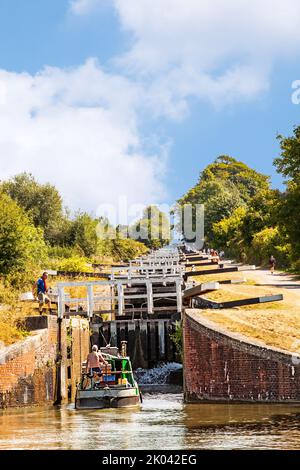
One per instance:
(93, 361)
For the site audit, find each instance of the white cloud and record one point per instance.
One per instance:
(221, 51)
(84, 7)
(77, 128)
(218, 50)
(205, 33)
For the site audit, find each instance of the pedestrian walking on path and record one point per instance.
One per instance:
(272, 264)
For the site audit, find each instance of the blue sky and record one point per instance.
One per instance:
(167, 90)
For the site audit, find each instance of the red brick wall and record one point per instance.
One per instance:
(28, 369)
(80, 346)
(220, 368)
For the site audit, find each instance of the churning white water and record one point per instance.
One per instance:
(157, 375)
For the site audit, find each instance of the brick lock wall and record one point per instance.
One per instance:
(80, 346)
(27, 372)
(221, 368)
(28, 369)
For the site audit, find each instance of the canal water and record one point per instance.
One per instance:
(163, 422)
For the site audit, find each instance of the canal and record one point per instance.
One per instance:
(163, 422)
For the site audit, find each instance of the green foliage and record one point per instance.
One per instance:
(295, 266)
(222, 200)
(127, 249)
(83, 234)
(42, 202)
(177, 338)
(289, 207)
(228, 234)
(261, 213)
(288, 164)
(249, 235)
(8, 296)
(247, 181)
(57, 252)
(153, 229)
(114, 243)
(289, 213)
(223, 187)
(22, 248)
(269, 242)
(76, 263)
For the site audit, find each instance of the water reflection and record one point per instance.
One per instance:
(163, 422)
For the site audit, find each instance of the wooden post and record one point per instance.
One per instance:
(113, 333)
(61, 302)
(179, 295)
(112, 303)
(90, 299)
(149, 296)
(120, 298)
(161, 339)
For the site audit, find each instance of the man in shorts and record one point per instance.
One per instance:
(42, 292)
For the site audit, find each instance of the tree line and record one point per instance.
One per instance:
(37, 231)
(244, 215)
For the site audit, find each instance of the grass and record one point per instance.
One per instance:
(202, 268)
(224, 295)
(11, 329)
(279, 329)
(13, 312)
(218, 277)
(274, 324)
(11, 324)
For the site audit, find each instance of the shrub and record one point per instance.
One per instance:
(75, 263)
(269, 242)
(177, 338)
(22, 247)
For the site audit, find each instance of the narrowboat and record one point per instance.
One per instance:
(115, 387)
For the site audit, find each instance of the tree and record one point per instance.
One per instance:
(42, 202)
(83, 234)
(288, 164)
(228, 236)
(126, 249)
(22, 248)
(224, 186)
(221, 201)
(153, 229)
(267, 242)
(247, 181)
(261, 213)
(237, 233)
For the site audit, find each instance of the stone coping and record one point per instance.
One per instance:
(7, 353)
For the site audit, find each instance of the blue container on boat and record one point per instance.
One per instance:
(109, 378)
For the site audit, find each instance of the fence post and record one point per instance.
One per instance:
(120, 298)
(61, 302)
(149, 296)
(179, 295)
(90, 299)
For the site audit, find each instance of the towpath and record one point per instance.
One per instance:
(285, 283)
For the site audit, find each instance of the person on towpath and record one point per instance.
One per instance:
(272, 264)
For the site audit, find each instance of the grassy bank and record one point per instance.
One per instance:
(274, 324)
(11, 315)
(13, 311)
